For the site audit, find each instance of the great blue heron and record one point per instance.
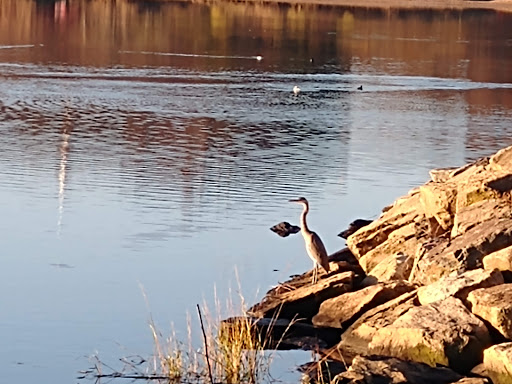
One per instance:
(314, 246)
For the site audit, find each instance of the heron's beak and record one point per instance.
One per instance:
(294, 200)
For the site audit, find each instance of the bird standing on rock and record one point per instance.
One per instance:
(314, 245)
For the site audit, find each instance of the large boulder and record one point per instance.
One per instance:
(501, 260)
(494, 305)
(498, 363)
(459, 286)
(380, 369)
(399, 229)
(441, 257)
(299, 298)
(344, 309)
(356, 338)
(443, 333)
(502, 161)
(438, 202)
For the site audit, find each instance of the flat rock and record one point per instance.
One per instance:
(465, 252)
(494, 305)
(299, 298)
(468, 216)
(356, 338)
(440, 175)
(459, 286)
(403, 212)
(472, 380)
(498, 363)
(443, 333)
(501, 260)
(346, 308)
(404, 240)
(394, 267)
(502, 160)
(380, 369)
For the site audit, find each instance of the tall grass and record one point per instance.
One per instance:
(231, 352)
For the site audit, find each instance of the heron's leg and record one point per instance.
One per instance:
(315, 272)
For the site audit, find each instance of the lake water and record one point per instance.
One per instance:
(145, 144)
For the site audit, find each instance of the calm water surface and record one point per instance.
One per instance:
(146, 145)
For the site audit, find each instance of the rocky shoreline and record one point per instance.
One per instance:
(423, 294)
(497, 5)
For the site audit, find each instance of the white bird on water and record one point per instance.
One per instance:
(296, 90)
(314, 245)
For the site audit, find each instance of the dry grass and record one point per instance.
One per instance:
(232, 353)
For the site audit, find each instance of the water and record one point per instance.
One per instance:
(145, 145)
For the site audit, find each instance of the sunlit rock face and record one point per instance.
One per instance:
(424, 286)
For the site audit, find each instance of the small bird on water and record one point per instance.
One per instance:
(296, 90)
(314, 245)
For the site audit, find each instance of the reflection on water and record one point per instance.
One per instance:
(146, 142)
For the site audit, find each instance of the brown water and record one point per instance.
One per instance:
(146, 143)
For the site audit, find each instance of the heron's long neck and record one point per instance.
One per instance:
(303, 223)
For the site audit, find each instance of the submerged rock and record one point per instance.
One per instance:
(281, 334)
(285, 229)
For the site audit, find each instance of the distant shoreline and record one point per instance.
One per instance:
(497, 5)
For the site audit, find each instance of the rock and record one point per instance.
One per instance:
(472, 380)
(459, 286)
(501, 260)
(284, 229)
(404, 240)
(281, 334)
(356, 338)
(393, 267)
(494, 305)
(438, 201)
(353, 227)
(299, 298)
(380, 369)
(403, 212)
(344, 309)
(322, 371)
(469, 216)
(440, 175)
(502, 161)
(344, 260)
(443, 333)
(498, 363)
(465, 252)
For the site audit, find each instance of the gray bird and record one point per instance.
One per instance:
(314, 245)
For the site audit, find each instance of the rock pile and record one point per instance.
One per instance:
(423, 293)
